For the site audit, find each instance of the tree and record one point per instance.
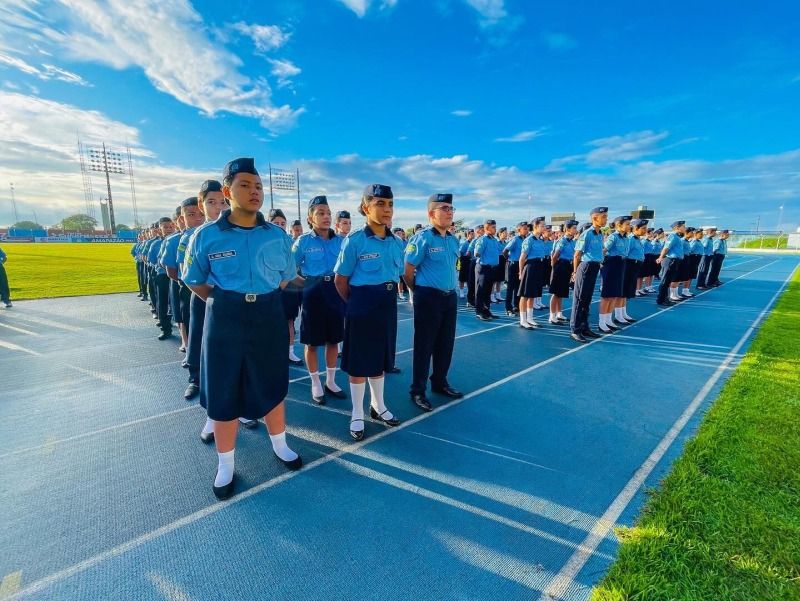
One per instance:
(79, 221)
(121, 227)
(28, 225)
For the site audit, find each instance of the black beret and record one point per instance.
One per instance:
(378, 190)
(470, 231)
(503, 229)
(650, 230)
(273, 213)
(597, 210)
(659, 231)
(343, 215)
(677, 224)
(189, 202)
(178, 210)
(725, 232)
(441, 198)
(522, 223)
(490, 222)
(398, 229)
(689, 230)
(241, 165)
(621, 219)
(296, 222)
(318, 200)
(570, 222)
(210, 185)
(163, 220)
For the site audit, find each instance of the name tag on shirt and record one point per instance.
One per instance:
(435, 250)
(367, 256)
(221, 255)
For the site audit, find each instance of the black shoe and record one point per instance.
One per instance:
(483, 317)
(207, 438)
(182, 349)
(563, 319)
(492, 316)
(319, 400)
(339, 395)
(144, 298)
(338, 355)
(165, 335)
(447, 391)
(590, 334)
(250, 424)
(702, 287)
(294, 464)
(510, 314)
(223, 492)
(356, 434)
(665, 303)
(379, 417)
(612, 327)
(192, 390)
(185, 364)
(631, 320)
(577, 337)
(420, 401)
(393, 370)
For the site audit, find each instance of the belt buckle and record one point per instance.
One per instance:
(249, 297)
(390, 285)
(327, 278)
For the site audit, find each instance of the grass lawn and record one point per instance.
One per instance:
(767, 243)
(68, 269)
(725, 524)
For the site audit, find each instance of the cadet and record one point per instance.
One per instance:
(634, 263)
(670, 261)
(720, 248)
(5, 292)
(464, 262)
(137, 257)
(531, 267)
(707, 258)
(343, 223)
(692, 249)
(150, 280)
(400, 234)
(547, 268)
(367, 272)
(297, 229)
(612, 273)
(512, 252)
(238, 264)
(487, 258)
(322, 322)
(160, 278)
(561, 261)
(646, 269)
(291, 295)
(432, 254)
(500, 272)
(168, 260)
(471, 272)
(586, 264)
(655, 268)
(193, 218)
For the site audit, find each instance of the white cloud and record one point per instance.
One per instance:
(45, 72)
(265, 37)
(491, 11)
(559, 42)
(523, 136)
(167, 40)
(461, 113)
(284, 70)
(359, 7)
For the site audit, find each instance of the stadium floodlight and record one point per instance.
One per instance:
(108, 162)
(284, 179)
(14, 203)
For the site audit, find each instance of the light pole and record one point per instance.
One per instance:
(780, 218)
(14, 203)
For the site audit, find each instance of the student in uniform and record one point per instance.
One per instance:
(655, 268)
(430, 259)
(634, 263)
(290, 296)
(297, 229)
(720, 248)
(5, 291)
(642, 288)
(512, 252)
(322, 321)
(561, 263)
(168, 259)
(613, 274)
(138, 262)
(400, 234)
(238, 265)
(547, 237)
(670, 262)
(367, 273)
(150, 280)
(487, 256)
(707, 257)
(693, 249)
(589, 252)
(161, 280)
(472, 270)
(464, 262)
(343, 223)
(531, 267)
(500, 274)
(684, 272)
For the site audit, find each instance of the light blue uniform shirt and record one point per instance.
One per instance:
(135, 251)
(616, 245)
(368, 259)
(696, 247)
(153, 253)
(686, 247)
(514, 248)
(635, 248)
(3, 256)
(146, 249)
(708, 246)
(534, 248)
(674, 246)
(169, 251)
(245, 260)
(565, 246)
(487, 250)
(720, 246)
(658, 246)
(463, 248)
(434, 257)
(182, 246)
(471, 247)
(316, 255)
(590, 243)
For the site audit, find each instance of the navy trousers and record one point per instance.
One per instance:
(585, 281)
(483, 289)
(434, 336)
(669, 271)
(197, 317)
(162, 302)
(702, 271)
(471, 280)
(512, 287)
(716, 267)
(5, 293)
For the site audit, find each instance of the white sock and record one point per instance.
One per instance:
(292, 356)
(208, 428)
(529, 315)
(340, 346)
(280, 447)
(618, 314)
(553, 316)
(224, 468)
(560, 315)
(604, 319)
(523, 317)
(330, 379)
(316, 385)
(376, 400)
(357, 396)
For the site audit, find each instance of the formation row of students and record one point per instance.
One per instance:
(240, 281)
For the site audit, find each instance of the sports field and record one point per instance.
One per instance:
(38, 270)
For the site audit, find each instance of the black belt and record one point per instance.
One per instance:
(434, 290)
(248, 297)
(317, 278)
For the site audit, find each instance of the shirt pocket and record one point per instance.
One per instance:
(370, 265)
(274, 256)
(225, 265)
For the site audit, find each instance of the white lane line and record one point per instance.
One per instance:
(15, 347)
(676, 342)
(20, 330)
(44, 322)
(90, 562)
(566, 576)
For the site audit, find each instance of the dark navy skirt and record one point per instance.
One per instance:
(175, 300)
(323, 313)
(184, 304)
(650, 267)
(613, 274)
(370, 330)
(463, 269)
(685, 269)
(245, 355)
(632, 267)
(531, 280)
(291, 297)
(695, 265)
(559, 281)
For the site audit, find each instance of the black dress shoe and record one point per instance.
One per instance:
(207, 437)
(577, 337)
(631, 320)
(420, 401)
(294, 464)
(665, 303)
(590, 334)
(484, 317)
(223, 492)
(336, 394)
(319, 400)
(612, 327)
(392, 370)
(356, 434)
(393, 421)
(144, 298)
(447, 391)
(182, 349)
(165, 335)
(185, 364)
(192, 390)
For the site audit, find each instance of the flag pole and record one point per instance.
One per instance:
(298, 193)
(271, 199)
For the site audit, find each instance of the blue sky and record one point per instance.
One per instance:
(690, 108)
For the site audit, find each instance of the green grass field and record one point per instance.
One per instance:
(56, 269)
(725, 524)
(768, 243)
